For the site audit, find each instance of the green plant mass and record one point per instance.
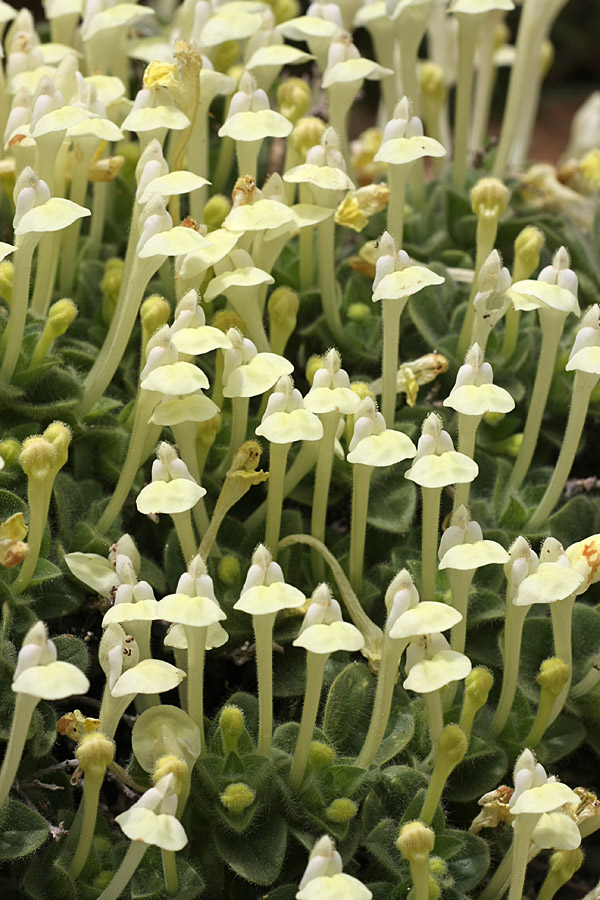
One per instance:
(299, 510)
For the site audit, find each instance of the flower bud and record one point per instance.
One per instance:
(171, 765)
(478, 685)
(7, 279)
(225, 56)
(432, 83)
(307, 133)
(528, 246)
(59, 434)
(95, 753)
(553, 675)
(110, 287)
(207, 431)
(452, 745)
(313, 365)
(231, 723)
(154, 313)
(341, 810)
(293, 98)
(237, 797)
(489, 198)
(60, 315)
(37, 457)
(320, 756)
(283, 311)
(229, 570)
(9, 450)
(284, 10)
(226, 319)
(216, 211)
(415, 842)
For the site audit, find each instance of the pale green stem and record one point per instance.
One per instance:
(247, 157)
(410, 28)
(111, 710)
(125, 872)
(338, 108)
(277, 463)
(487, 228)
(327, 280)
(140, 434)
(583, 386)
(119, 332)
(197, 155)
(435, 714)
(383, 42)
(562, 628)
(372, 633)
(307, 241)
(552, 324)
(486, 77)
(45, 278)
(523, 829)
(460, 583)
(24, 707)
(391, 651)
(92, 783)
(397, 179)
(322, 481)
(169, 861)
(511, 332)
(100, 190)
(467, 433)
(315, 666)
(39, 492)
(239, 424)
(217, 391)
(513, 632)
(358, 529)
(542, 719)
(441, 772)
(185, 437)
(196, 638)
(391, 311)
(245, 303)
(263, 635)
(182, 663)
(224, 164)
(429, 540)
(13, 334)
(587, 683)
(498, 883)
(303, 463)
(419, 872)
(531, 102)
(468, 27)
(78, 192)
(185, 533)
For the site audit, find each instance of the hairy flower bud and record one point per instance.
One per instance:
(237, 797)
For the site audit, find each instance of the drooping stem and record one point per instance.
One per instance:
(315, 666)
(140, 435)
(429, 540)
(125, 872)
(327, 279)
(263, 634)
(169, 861)
(391, 311)
(397, 179)
(562, 628)
(185, 533)
(13, 334)
(360, 503)
(513, 632)
(588, 682)
(391, 651)
(24, 707)
(92, 783)
(322, 480)
(468, 27)
(277, 462)
(552, 325)
(583, 386)
(467, 433)
(196, 638)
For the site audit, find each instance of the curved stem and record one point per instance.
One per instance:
(391, 652)
(125, 872)
(391, 311)
(429, 540)
(92, 783)
(322, 481)
(315, 666)
(24, 707)
(263, 634)
(541, 721)
(552, 325)
(196, 638)
(277, 462)
(583, 386)
(358, 529)
(513, 631)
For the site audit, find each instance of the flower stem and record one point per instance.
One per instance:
(587, 683)
(13, 334)
(185, 437)
(315, 666)
(24, 707)
(486, 76)
(460, 582)
(358, 529)
(263, 634)
(322, 481)
(391, 310)
(552, 324)
(583, 386)
(468, 27)
(247, 157)
(429, 540)
(327, 280)
(185, 533)
(92, 783)
(497, 886)
(487, 227)
(523, 829)
(169, 861)
(39, 494)
(83, 153)
(391, 652)
(467, 434)
(125, 872)
(397, 178)
(562, 627)
(239, 424)
(303, 463)
(307, 240)
(277, 462)
(196, 638)
(433, 702)
(513, 631)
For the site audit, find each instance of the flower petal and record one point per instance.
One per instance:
(149, 676)
(331, 638)
(170, 497)
(54, 681)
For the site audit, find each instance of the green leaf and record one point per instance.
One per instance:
(381, 843)
(44, 735)
(393, 510)
(396, 738)
(482, 769)
(148, 883)
(348, 708)
(471, 863)
(22, 830)
(71, 649)
(573, 522)
(44, 571)
(563, 737)
(257, 857)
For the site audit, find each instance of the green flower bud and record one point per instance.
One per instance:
(320, 756)
(452, 745)
(229, 571)
(553, 675)
(154, 313)
(528, 246)
(37, 457)
(226, 55)
(171, 765)
(7, 279)
(307, 133)
(563, 865)
(207, 431)
(489, 198)
(434, 889)
(478, 685)
(60, 315)
(216, 211)
(415, 842)
(510, 446)
(432, 83)
(237, 797)
(110, 287)
(231, 724)
(284, 10)
(283, 311)
(226, 319)
(493, 418)
(103, 879)
(358, 312)
(312, 367)
(341, 810)
(294, 98)
(59, 434)
(95, 753)
(9, 450)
